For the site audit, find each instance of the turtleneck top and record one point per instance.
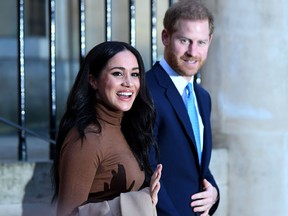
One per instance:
(99, 167)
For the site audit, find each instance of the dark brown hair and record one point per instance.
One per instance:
(188, 10)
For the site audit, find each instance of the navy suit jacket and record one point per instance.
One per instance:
(182, 176)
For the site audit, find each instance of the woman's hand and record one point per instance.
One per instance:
(155, 184)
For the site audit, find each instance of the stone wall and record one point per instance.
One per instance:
(246, 74)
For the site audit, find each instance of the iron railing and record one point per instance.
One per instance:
(26, 130)
(22, 145)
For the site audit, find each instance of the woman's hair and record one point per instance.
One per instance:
(137, 123)
(188, 10)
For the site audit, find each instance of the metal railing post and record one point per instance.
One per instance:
(153, 32)
(22, 145)
(52, 76)
(82, 30)
(108, 23)
(132, 24)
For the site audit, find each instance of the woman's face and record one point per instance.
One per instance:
(119, 82)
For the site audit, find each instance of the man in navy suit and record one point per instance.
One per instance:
(187, 185)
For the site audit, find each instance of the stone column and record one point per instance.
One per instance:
(247, 76)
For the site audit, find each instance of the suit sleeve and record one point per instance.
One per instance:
(208, 175)
(211, 179)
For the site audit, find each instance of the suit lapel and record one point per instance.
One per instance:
(202, 105)
(176, 101)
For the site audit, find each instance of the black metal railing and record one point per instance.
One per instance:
(22, 145)
(26, 130)
(52, 77)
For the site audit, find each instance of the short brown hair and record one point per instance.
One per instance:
(189, 10)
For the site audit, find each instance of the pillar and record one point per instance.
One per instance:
(247, 76)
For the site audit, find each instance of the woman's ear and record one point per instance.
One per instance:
(92, 81)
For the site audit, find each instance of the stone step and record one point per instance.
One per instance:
(27, 209)
(26, 186)
(26, 189)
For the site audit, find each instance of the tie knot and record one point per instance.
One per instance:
(189, 89)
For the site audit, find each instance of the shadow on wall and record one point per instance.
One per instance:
(38, 192)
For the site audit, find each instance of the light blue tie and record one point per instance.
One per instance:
(192, 112)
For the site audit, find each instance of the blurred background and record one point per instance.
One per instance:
(246, 74)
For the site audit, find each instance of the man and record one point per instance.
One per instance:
(187, 185)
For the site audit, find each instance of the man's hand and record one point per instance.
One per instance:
(203, 201)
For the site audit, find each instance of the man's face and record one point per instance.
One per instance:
(186, 49)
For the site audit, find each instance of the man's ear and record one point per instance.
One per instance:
(211, 37)
(92, 81)
(165, 37)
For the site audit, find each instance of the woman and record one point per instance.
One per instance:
(106, 132)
